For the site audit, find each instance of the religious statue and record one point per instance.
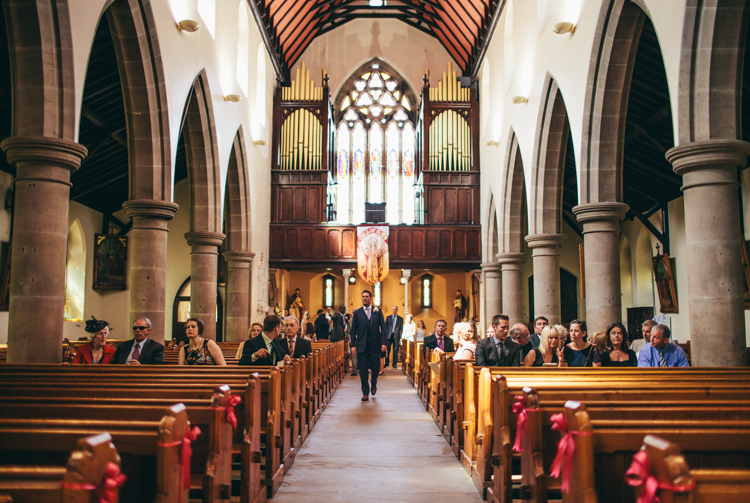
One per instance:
(459, 305)
(296, 306)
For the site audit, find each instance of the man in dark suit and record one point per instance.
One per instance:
(539, 323)
(295, 346)
(140, 350)
(439, 340)
(394, 326)
(322, 329)
(368, 341)
(337, 332)
(265, 349)
(499, 350)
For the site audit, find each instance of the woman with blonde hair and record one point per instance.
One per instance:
(564, 334)
(548, 350)
(467, 340)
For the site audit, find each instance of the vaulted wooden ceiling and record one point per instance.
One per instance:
(463, 27)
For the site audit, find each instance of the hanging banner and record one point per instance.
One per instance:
(372, 253)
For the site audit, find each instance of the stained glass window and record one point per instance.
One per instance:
(328, 291)
(358, 181)
(376, 164)
(426, 291)
(342, 174)
(375, 147)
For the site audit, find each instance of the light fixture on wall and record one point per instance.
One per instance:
(352, 279)
(188, 25)
(259, 143)
(564, 27)
(234, 98)
(517, 100)
(403, 278)
(492, 143)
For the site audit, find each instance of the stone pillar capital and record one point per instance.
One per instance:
(492, 269)
(347, 273)
(479, 274)
(545, 244)
(204, 238)
(595, 212)
(510, 261)
(707, 154)
(44, 150)
(150, 208)
(239, 258)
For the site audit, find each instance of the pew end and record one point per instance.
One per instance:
(582, 481)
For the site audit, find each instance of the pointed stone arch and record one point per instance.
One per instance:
(493, 235)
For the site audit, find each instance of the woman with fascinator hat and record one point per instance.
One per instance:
(96, 351)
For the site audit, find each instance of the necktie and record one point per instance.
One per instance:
(367, 312)
(291, 346)
(662, 360)
(440, 344)
(272, 353)
(500, 353)
(136, 352)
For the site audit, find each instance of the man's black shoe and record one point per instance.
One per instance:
(374, 390)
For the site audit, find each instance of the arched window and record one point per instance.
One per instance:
(75, 273)
(426, 291)
(328, 290)
(243, 49)
(377, 295)
(376, 146)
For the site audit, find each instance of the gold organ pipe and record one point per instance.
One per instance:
(308, 139)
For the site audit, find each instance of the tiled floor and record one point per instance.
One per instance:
(384, 450)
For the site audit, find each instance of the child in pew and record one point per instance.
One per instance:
(467, 341)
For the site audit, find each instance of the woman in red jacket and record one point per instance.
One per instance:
(96, 351)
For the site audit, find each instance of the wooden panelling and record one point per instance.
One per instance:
(298, 196)
(452, 197)
(410, 246)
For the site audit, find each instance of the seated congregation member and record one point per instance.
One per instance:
(266, 350)
(410, 328)
(140, 350)
(564, 335)
(646, 340)
(579, 353)
(467, 341)
(338, 324)
(199, 351)
(520, 334)
(490, 331)
(96, 351)
(255, 330)
(617, 353)
(321, 326)
(498, 350)
(294, 346)
(599, 339)
(439, 340)
(421, 331)
(539, 323)
(549, 350)
(662, 352)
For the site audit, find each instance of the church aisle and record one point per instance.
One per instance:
(384, 450)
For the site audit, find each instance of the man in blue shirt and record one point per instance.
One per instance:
(662, 352)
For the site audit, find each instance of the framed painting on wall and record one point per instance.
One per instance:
(665, 284)
(110, 262)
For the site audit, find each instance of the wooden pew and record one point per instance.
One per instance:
(87, 465)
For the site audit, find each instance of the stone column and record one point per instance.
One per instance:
(546, 257)
(347, 274)
(40, 243)
(601, 241)
(237, 306)
(493, 289)
(204, 254)
(714, 256)
(512, 287)
(148, 261)
(406, 274)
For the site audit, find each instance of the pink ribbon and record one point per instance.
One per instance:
(565, 449)
(522, 428)
(231, 416)
(107, 491)
(185, 454)
(639, 473)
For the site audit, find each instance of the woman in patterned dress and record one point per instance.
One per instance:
(199, 351)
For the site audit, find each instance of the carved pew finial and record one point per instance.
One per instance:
(659, 465)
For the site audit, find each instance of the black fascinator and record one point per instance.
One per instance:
(93, 325)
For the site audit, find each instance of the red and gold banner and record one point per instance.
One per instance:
(372, 253)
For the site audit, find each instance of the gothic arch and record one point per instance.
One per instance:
(237, 196)
(144, 91)
(41, 60)
(710, 93)
(202, 153)
(548, 165)
(492, 235)
(512, 205)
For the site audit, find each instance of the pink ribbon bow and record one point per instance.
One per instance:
(106, 492)
(565, 449)
(522, 427)
(185, 454)
(639, 473)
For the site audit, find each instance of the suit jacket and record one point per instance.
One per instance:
(487, 355)
(152, 353)
(302, 347)
(399, 327)
(256, 343)
(363, 329)
(83, 354)
(430, 342)
(337, 333)
(535, 340)
(321, 327)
